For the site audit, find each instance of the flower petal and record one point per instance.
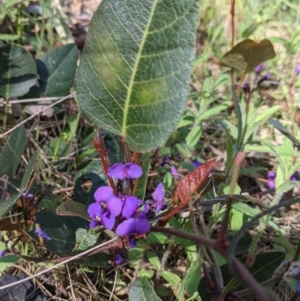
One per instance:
(41, 233)
(103, 193)
(117, 171)
(108, 220)
(95, 210)
(133, 171)
(94, 224)
(142, 226)
(127, 227)
(132, 242)
(159, 193)
(119, 259)
(174, 172)
(131, 205)
(271, 175)
(114, 206)
(2, 253)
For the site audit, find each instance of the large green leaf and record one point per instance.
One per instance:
(13, 150)
(60, 64)
(17, 71)
(141, 290)
(62, 230)
(135, 68)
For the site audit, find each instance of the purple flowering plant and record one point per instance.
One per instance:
(125, 214)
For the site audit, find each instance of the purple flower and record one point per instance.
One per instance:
(107, 200)
(119, 259)
(134, 225)
(159, 197)
(2, 253)
(297, 70)
(132, 242)
(298, 287)
(164, 161)
(196, 163)
(131, 204)
(39, 232)
(271, 179)
(125, 171)
(100, 215)
(27, 196)
(260, 68)
(174, 172)
(246, 88)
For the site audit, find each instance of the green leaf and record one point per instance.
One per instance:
(7, 204)
(144, 162)
(152, 257)
(135, 68)
(236, 220)
(8, 261)
(63, 242)
(60, 66)
(29, 170)
(263, 268)
(193, 277)
(171, 278)
(12, 152)
(72, 208)
(141, 290)
(194, 135)
(84, 239)
(259, 118)
(95, 173)
(17, 71)
(246, 55)
(278, 125)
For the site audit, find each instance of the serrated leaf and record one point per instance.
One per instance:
(135, 68)
(195, 181)
(246, 55)
(17, 71)
(141, 290)
(72, 208)
(60, 65)
(12, 152)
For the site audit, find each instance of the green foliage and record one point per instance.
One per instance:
(17, 71)
(126, 85)
(142, 290)
(13, 150)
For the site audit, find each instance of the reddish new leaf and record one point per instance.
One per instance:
(196, 181)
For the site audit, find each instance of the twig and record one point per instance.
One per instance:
(59, 264)
(35, 114)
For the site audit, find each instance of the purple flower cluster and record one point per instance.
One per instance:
(272, 177)
(126, 213)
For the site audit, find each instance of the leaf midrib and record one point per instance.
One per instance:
(135, 67)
